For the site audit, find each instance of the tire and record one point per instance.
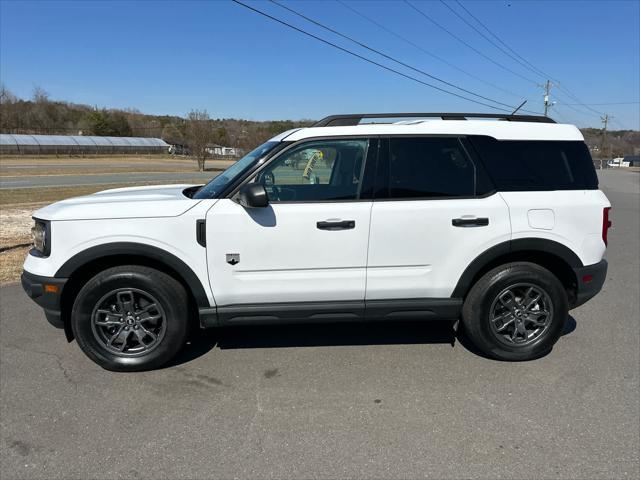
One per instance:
(149, 336)
(498, 324)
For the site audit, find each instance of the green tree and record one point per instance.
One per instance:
(104, 123)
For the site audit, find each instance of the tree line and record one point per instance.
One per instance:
(195, 131)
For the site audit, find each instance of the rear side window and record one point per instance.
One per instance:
(536, 165)
(429, 167)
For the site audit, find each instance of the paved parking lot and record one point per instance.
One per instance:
(346, 401)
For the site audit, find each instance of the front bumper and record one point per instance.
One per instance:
(46, 292)
(590, 281)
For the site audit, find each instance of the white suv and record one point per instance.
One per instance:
(496, 220)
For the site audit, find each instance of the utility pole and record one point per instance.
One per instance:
(605, 121)
(547, 100)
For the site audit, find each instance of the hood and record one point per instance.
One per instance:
(131, 202)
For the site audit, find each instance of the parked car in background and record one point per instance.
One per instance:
(617, 163)
(177, 149)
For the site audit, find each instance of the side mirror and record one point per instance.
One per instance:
(253, 195)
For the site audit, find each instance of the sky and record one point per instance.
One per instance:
(169, 57)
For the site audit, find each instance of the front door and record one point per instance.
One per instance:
(309, 244)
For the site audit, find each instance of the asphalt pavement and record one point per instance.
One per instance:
(396, 400)
(95, 164)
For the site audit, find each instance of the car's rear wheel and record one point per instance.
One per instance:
(515, 312)
(130, 318)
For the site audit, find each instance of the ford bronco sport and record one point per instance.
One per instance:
(493, 219)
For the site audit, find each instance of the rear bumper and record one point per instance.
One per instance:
(46, 292)
(590, 281)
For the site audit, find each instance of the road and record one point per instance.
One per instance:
(381, 401)
(96, 164)
(40, 181)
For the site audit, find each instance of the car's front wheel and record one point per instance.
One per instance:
(130, 318)
(515, 312)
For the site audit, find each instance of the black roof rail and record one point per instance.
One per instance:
(351, 119)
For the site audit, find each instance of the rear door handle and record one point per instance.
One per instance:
(470, 222)
(336, 225)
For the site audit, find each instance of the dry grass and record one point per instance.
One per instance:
(11, 264)
(15, 233)
(15, 224)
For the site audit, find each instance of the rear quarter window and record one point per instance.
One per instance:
(536, 165)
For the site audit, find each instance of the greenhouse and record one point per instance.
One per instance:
(14, 144)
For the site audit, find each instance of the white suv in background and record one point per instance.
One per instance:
(496, 220)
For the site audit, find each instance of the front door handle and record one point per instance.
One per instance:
(336, 225)
(470, 222)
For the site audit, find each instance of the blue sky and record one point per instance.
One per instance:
(168, 57)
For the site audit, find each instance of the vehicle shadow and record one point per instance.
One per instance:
(329, 334)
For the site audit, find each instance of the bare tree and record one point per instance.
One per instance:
(200, 134)
(6, 96)
(40, 95)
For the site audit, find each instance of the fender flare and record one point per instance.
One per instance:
(137, 250)
(513, 246)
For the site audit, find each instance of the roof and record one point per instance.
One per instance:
(356, 118)
(75, 140)
(498, 129)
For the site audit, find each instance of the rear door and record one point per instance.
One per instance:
(310, 243)
(433, 213)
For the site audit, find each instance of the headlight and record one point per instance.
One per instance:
(39, 236)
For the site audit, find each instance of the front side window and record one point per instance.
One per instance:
(321, 170)
(426, 167)
(216, 186)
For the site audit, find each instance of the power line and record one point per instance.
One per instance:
(468, 45)
(510, 55)
(423, 50)
(558, 84)
(581, 103)
(597, 104)
(363, 45)
(361, 57)
(561, 117)
(622, 127)
(592, 112)
(535, 69)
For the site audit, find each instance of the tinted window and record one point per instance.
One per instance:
(320, 170)
(537, 165)
(429, 167)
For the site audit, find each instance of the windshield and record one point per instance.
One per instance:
(220, 183)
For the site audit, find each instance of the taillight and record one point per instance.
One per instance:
(606, 223)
